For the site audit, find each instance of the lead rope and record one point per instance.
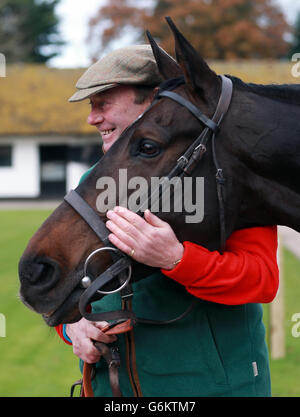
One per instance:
(131, 356)
(112, 357)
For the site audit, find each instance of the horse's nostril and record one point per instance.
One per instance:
(39, 273)
(39, 276)
(42, 273)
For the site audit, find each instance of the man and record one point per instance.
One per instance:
(219, 348)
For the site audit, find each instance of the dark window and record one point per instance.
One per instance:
(53, 170)
(88, 154)
(5, 156)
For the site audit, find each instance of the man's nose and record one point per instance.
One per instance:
(95, 117)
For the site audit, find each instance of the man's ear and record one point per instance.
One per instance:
(154, 92)
(196, 71)
(167, 66)
(151, 96)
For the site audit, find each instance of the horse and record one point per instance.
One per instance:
(250, 164)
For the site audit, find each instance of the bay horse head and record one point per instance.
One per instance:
(255, 161)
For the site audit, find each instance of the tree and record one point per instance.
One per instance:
(26, 28)
(218, 29)
(295, 48)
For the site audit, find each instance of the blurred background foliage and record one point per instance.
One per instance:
(27, 29)
(218, 29)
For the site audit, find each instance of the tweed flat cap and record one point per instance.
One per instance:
(130, 65)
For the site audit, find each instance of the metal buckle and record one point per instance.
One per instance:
(219, 176)
(86, 280)
(115, 357)
(201, 148)
(182, 161)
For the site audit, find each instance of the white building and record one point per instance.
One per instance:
(45, 142)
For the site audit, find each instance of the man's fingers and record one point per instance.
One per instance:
(87, 351)
(153, 219)
(126, 218)
(127, 239)
(100, 336)
(102, 325)
(121, 245)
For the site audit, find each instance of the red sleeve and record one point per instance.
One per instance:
(247, 272)
(59, 330)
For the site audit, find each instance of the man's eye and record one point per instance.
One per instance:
(98, 105)
(149, 149)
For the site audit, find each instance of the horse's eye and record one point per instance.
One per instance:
(148, 148)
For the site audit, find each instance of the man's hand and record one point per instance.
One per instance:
(82, 335)
(148, 240)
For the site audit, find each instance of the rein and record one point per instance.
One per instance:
(124, 320)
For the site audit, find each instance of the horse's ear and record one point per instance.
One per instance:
(196, 71)
(167, 66)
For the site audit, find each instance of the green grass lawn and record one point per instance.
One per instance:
(285, 372)
(33, 359)
(35, 362)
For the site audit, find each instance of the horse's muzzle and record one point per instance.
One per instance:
(38, 278)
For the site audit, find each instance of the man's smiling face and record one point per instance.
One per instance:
(112, 111)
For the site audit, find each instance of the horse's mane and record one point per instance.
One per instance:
(285, 92)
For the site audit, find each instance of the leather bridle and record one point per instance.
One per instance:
(122, 264)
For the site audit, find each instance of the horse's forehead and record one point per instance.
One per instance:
(165, 113)
(164, 118)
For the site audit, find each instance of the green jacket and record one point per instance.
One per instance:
(216, 350)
